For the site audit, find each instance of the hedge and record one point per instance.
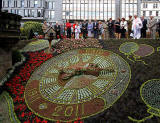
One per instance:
(35, 26)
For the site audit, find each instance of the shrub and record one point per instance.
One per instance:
(35, 26)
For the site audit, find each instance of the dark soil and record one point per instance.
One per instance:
(130, 103)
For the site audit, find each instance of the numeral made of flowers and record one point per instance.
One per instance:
(68, 111)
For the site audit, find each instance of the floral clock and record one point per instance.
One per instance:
(77, 84)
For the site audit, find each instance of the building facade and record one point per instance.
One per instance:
(60, 10)
(150, 8)
(38, 10)
(99, 9)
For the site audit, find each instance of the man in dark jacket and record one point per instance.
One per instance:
(144, 28)
(95, 29)
(158, 28)
(57, 29)
(84, 29)
(111, 28)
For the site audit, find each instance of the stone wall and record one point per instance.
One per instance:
(5, 61)
(9, 37)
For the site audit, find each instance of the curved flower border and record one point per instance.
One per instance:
(16, 83)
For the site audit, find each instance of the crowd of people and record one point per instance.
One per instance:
(135, 28)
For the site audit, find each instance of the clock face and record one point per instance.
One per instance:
(150, 93)
(77, 84)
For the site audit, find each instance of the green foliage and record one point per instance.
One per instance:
(35, 26)
(22, 31)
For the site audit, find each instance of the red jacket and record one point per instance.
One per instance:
(68, 25)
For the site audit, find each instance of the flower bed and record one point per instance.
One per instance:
(16, 86)
(69, 44)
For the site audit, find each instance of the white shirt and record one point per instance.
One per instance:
(124, 24)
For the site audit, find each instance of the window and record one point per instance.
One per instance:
(14, 11)
(3, 3)
(22, 3)
(20, 12)
(150, 13)
(51, 14)
(157, 13)
(15, 3)
(46, 5)
(145, 5)
(26, 13)
(144, 13)
(28, 3)
(39, 13)
(155, 5)
(9, 3)
(50, 5)
(36, 3)
(32, 13)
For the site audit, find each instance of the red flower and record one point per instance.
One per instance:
(23, 114)
(44, 121)
(21, 107)
(36, 119)
(27, 121)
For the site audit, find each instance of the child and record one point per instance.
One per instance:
(77, 31)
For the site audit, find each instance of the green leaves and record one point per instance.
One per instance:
(35, 26)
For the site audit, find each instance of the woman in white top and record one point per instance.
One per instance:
(100, 29)
(77, 30)
(124, 28)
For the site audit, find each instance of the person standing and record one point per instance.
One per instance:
(80, 25)
(117, 28)
(68, 28)
(57, 29)
(84, 29)
(100, 29)
(51, 35)
(144, 27)
(77, 30)
(158, 28)
(62, 31)
(129, 23)
(90, 29)
(44, 28)
(95, 29)
(124, 28)
(152, 27)
(105, 34)
(111, 28)
(73, 29)
(136, 27)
